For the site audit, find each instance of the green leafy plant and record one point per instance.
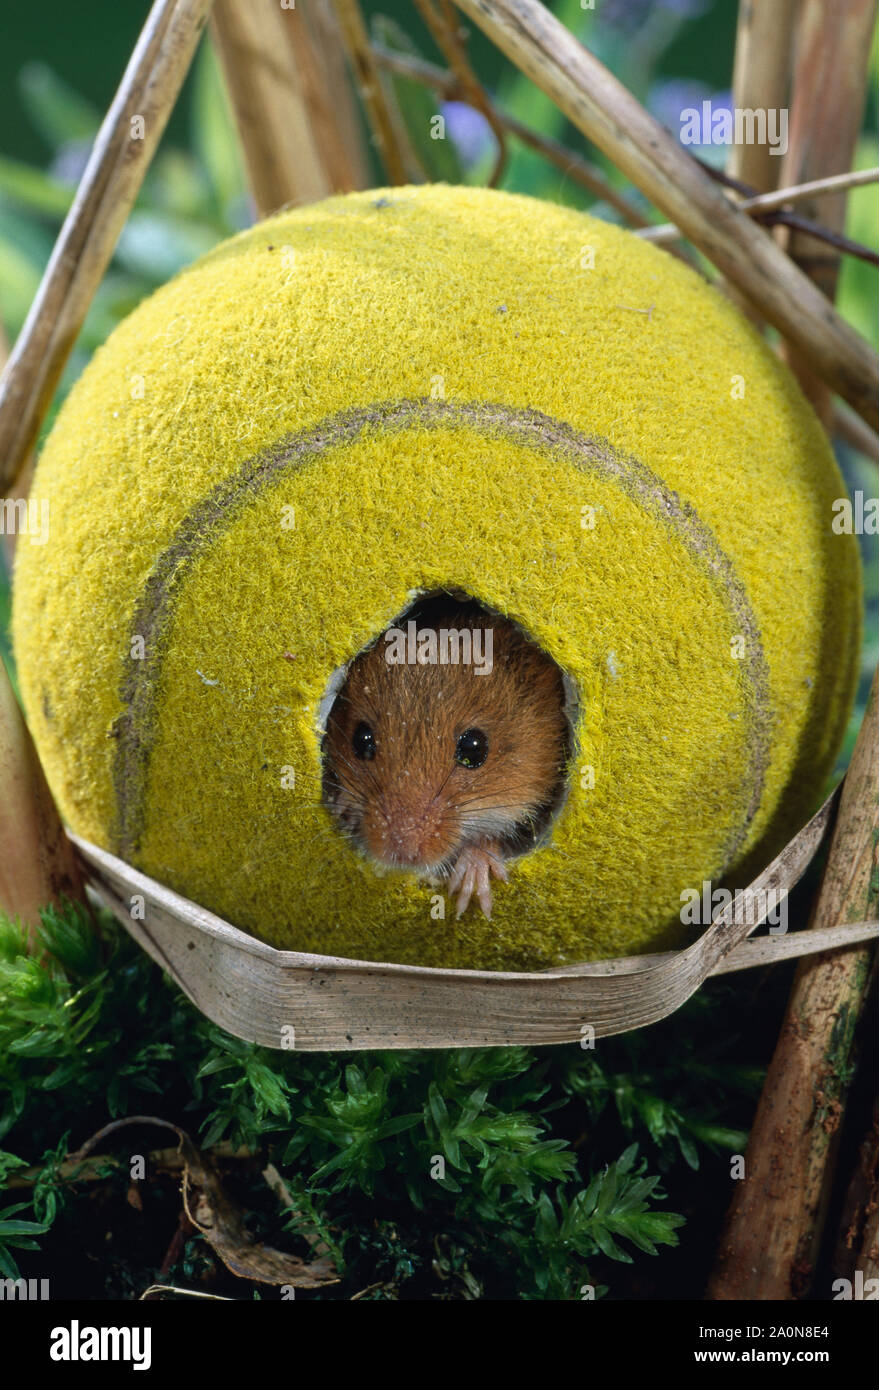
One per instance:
(16, 1234)
(643, 1105)
(615, 1206)
(462, 1171)
(254, 1099)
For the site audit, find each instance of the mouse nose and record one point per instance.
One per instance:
(407, 835)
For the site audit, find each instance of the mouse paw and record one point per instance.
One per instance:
(471, 871)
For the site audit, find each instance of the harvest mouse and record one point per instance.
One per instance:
(445, 765)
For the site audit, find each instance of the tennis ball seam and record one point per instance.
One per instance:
(134, 729)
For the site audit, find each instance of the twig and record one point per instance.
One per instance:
(612, 118)
(124, 146)
(185, 1293)
(369, 1289)
(569, 161)
(775, 215)
(16, 495)
(857, 1243)
(335, 82)
(443, 28)
(313, 34)
(123, 1123)
(831, 69)
(775, 1218)
(760, 203)
(761, 77)
(868, 1257)
(372, 93)
(19, 491)
(76, 1170)
(818, 232)
(266, 85)
(37, 865)
(851, 428)
(184, 1230)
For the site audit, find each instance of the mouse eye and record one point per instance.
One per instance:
(363, 741)
(471, 749)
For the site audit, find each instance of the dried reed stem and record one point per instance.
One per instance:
(867, 1262)
(22, 486)
(341, 136)
(775, 1220)
(611, 117)
(372, 93)
(761, 78)
(314, 36)
(124, 146)
(857, 1243)
(267, 85)
(99, 1167)
(768, 202)
(829, 91)
(850, 427)
(37, 866)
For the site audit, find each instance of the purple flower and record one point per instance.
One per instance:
(470, 132)
(687, 9)
(667, 100)
(629, 15)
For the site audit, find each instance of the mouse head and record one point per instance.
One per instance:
(449, 729)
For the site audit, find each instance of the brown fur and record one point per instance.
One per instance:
(413, 805)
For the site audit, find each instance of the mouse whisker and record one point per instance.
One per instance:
(514, 811)
(360, 768)
(441, 788)
(351, 777)
(470, 801)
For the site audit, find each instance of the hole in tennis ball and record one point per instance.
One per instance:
(451, 725)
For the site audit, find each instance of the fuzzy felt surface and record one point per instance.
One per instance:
(417, 388)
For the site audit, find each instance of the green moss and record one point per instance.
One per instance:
(462, 1173)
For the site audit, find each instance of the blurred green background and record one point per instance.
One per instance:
(60, 64)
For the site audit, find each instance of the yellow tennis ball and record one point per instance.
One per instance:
(401, 391)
